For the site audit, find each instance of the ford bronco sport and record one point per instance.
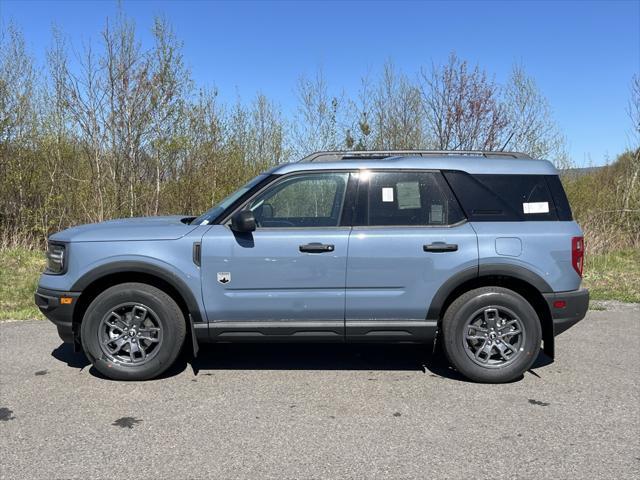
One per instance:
(476, 249)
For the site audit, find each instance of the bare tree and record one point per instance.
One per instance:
(634, 115)
(396, 114)
(85, 97)
(360, 113)
(530, 125)
(169, 82)
(18, 123)
(634, 110)
(316, 125)
(461, 106)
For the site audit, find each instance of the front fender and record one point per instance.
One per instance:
(185, 283)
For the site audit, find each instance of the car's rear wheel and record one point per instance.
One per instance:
(491, 334)
(133, 331)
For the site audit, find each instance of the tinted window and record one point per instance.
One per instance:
(559, 198)
(310, 200)
(504, 197)
(410, 198)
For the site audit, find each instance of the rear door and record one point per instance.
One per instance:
(409, 237)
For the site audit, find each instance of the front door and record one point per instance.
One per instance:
(410, 236)
(287, 278)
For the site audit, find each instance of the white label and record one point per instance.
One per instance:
(387, 194)
(224, 277)
(536, 207)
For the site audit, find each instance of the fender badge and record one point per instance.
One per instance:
(224, 277)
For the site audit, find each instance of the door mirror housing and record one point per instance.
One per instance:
(243, 222)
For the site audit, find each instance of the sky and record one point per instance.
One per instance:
(582, 54)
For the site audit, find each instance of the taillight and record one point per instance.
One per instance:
(577, 254)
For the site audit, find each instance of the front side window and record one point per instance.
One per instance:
(306, 200)
(210, 215)
(410, 198)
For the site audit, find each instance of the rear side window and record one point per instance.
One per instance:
(408, 198)
(509, 197)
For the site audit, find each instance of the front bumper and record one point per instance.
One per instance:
(576, 304)
(48, 301)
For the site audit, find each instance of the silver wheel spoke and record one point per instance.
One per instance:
(149, 330)
(485, 348)
(149, 339)
(139, 314)
(512, 332)
(502, 349)
(116, 321)
(119, 343)
(136, 348)
(476, 337)
(510, 347)
(491, 317)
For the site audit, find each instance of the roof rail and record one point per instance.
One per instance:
(332, 156)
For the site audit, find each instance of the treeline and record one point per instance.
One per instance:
(112, 129)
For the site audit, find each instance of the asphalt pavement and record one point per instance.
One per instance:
(324, 411)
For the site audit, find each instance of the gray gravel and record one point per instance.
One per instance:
(290, 411)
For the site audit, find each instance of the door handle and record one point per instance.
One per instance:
(437, 247)
(316, 248)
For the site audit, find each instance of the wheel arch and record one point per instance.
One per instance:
(522, 281)
(96, 281)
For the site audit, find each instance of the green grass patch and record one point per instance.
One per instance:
(19, 272)
(614, 276)
(611, 276)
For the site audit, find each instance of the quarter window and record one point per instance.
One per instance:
(410, 198)
(509, 198)
(309, 200)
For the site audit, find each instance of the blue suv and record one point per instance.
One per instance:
(475, 249)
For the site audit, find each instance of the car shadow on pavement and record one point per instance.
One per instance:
(65, 353)
(365, 357)
(283, 356)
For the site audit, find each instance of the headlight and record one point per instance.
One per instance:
(55, 258)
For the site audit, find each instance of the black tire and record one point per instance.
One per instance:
(162, 317)
(473, 308)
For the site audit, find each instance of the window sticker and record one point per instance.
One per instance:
(437, 214)
(536, 207)
(387, 194)
(408, 195)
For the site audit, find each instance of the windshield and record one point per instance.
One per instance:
(213, 213)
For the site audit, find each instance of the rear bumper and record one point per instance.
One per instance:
(576, 304)
(48, 301)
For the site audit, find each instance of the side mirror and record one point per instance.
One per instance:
(243, 222)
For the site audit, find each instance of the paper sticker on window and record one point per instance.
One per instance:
(408, 195)
(536, 207)
(437, 214)
(387, 194)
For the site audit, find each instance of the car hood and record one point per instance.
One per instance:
(128, 229)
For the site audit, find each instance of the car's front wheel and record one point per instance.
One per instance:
(132, 331)
(491, 334)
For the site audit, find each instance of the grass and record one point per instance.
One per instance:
(612, 276)
(19, 272)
